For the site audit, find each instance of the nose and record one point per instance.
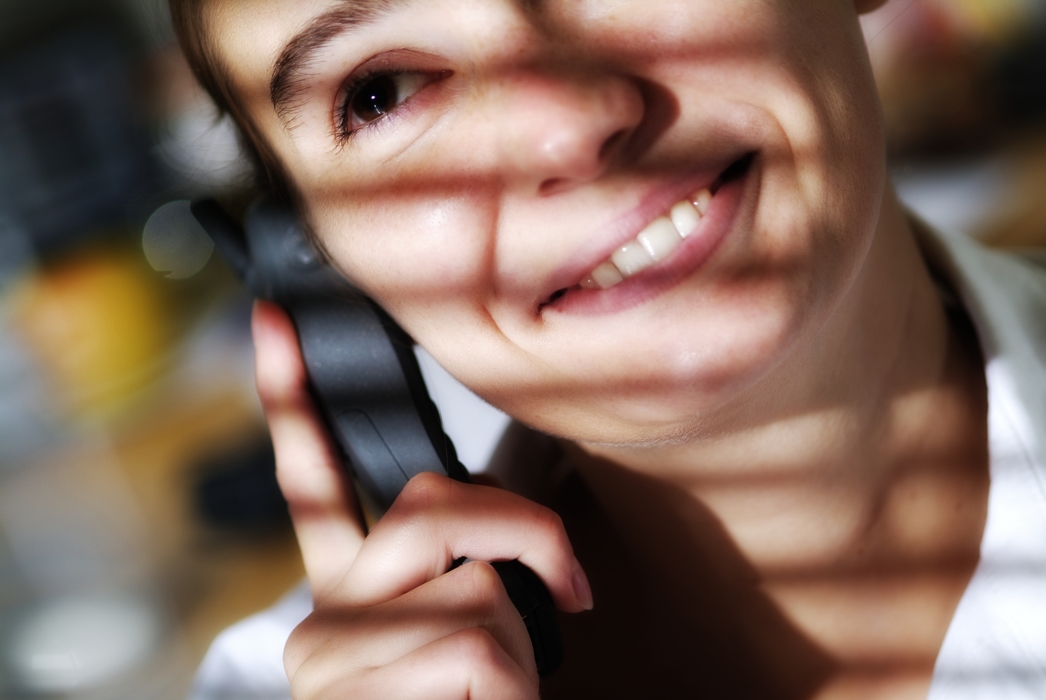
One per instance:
(558, 131)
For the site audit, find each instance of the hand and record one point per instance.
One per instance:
(390, 621)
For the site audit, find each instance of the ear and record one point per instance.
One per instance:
(864, 6)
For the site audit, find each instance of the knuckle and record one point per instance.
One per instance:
(312, 680)
(299, 483)
(482, 586)
(276, 389)
(477, 648)
(290, 484)
(421, 493)
(550, 525)
(269, 390)
(299, 647)
(322, 641)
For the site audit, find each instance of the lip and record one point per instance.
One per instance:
(687, 258)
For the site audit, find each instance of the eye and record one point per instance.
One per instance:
(372, 97)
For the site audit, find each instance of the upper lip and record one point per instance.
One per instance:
(628, 225)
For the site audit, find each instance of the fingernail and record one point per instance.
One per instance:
(582, 589)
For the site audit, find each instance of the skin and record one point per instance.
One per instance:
(787, 429)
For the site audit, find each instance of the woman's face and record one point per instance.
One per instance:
(470, 165)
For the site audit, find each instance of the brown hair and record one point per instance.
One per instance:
(189, 20)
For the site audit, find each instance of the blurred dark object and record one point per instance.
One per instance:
(73, 150)
(958, 75)
(1020, 75)
(236, 491)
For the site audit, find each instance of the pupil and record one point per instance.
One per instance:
(374, 99)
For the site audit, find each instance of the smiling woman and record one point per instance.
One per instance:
(661, 233)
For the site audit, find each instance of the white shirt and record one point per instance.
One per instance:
(995, 648)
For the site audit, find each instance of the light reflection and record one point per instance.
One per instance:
(80, 643)
(175, 243)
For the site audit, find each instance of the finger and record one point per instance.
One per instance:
(436, 520)
(357, 639)
(467, 664)
(322, 506)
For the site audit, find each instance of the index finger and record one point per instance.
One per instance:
(322, 506)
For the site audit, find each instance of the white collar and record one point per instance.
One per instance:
(995, 647)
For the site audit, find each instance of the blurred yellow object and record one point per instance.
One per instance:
(99, 323)
(992, 20)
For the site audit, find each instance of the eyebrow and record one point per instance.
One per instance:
(287, 82)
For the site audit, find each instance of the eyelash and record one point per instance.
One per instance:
(343, 115)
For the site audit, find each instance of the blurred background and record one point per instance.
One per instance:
(139, 514)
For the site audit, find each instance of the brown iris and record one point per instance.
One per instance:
(374, 99)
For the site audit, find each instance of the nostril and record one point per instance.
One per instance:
(611, 144)
(552, 186)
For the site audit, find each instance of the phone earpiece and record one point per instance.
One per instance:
(365, 378)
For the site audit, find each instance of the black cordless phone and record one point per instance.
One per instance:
(365, 378)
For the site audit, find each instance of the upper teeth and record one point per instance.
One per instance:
(655, 242)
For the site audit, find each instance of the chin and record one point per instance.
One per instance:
(695, 390)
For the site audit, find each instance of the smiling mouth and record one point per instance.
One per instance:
(659, 239)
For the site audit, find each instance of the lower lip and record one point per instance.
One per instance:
(685, 260)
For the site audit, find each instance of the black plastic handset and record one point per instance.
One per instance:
(365, 378)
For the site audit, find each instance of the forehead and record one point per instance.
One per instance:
(250, 35)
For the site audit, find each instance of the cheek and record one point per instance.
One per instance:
(410, 252)
(429, 262)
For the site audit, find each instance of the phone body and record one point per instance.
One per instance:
(365, 379)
